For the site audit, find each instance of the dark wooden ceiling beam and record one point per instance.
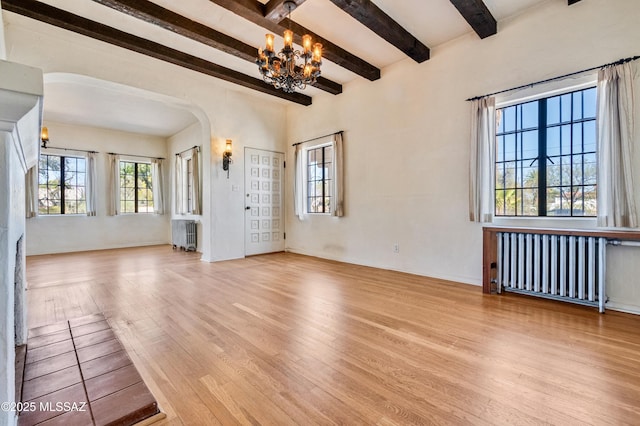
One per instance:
(169, 20)
(382, 24)
(254, 11)
(66, 20)
(275, 10)
(476, 13)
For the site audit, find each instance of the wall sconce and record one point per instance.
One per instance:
(44, 136)
(226, 157)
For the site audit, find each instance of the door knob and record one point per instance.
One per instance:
(247, 208)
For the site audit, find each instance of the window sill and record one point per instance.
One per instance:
(586, 223)
(63, 215)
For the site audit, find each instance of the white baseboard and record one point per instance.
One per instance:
(102, 247)
(457, 279)
(620, 307)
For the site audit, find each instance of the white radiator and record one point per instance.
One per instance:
(183, 234)
(561, 267)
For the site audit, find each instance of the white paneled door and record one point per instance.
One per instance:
(264, 203)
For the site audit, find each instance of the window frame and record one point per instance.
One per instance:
(325, 182)
(136, 188)
(557, 89)
(62, 185)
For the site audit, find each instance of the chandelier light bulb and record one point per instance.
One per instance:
(317, 52)
(306, 43)
(269, 47)
(288, 39)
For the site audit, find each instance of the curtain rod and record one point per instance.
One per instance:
(618, 62)
(139, 156)
(319, 137)
(188, 149)
(68, 149)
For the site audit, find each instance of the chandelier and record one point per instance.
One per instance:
(290, 69)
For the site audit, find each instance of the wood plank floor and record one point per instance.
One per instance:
(287, 339)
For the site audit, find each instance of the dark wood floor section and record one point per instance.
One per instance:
(76, 372)
(286, 339)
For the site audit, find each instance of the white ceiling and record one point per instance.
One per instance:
(433, 22)
(89, 102)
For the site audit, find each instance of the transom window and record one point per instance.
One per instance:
(61, 185)
(136, 187)
(546, 156)
(319, 177)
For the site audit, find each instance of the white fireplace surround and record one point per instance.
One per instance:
(21, 90)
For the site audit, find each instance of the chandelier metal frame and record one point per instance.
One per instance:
(290, 69)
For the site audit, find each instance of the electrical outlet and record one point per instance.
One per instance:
(396, 248)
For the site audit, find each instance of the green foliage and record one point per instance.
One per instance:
(50, 189)
(570, 188)
(136, 184)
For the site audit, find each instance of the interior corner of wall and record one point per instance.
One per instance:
(3, 47)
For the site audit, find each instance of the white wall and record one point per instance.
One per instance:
(11, 227)
(248, 122)
(3, 50)
(247, 117)
(407, 135)
(20, 115)
(66, 233)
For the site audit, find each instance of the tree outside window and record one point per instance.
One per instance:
(61, 185)
(546, 157)
(136, 187)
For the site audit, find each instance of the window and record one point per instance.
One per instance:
(319, 177)
(546, 156)
(136, 187)
(61, 185)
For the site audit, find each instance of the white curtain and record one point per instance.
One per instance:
(614, 120)
(337, 208)
(91, 185)
(482, 160)
(195, 185)
(298, 192)
(157, 179)
(113, 174)
(31, 192)
(178, 182)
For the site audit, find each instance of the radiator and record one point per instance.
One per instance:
(561, 267)
(183, 234)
